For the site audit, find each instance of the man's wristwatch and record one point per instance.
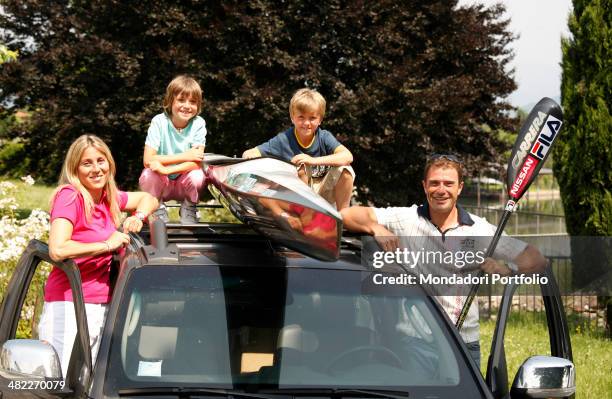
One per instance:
(140, 215)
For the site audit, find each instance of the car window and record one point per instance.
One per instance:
(278, 328)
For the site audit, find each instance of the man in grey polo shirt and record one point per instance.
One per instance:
(441, 217)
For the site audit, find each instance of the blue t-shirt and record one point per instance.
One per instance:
(285, 146)
(163, 137)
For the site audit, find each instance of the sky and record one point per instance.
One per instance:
(537, 52)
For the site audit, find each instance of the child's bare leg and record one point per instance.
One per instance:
(302, 174)
(344, 190)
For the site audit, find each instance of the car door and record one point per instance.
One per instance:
(560, 344)
(79, 369)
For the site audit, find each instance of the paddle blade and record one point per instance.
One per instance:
(532, 146)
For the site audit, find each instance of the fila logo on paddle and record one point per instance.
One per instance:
(538, 151)
(546, 137)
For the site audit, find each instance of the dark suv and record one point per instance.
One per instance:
(225, 310)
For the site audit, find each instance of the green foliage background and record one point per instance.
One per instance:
(402, 79)
(584, 154)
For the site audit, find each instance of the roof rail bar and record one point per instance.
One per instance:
(159, 235)
(199, 206)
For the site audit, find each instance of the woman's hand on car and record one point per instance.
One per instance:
(132, 224)
(117, 240)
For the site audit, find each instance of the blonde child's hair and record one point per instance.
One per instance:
(186, 85)
(307, 100)
(69, 176)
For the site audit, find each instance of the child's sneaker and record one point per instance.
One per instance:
(162, 213)
(188, 213)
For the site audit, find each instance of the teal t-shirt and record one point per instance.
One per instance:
(163, 137)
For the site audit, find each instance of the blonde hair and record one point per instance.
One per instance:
(186, 85)
(70, 177)
(307, 100)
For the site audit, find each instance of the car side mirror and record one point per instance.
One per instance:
(29, 358)
(544, 377)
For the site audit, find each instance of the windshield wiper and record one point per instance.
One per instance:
(188, 391)
(343, 392)
(379, 393)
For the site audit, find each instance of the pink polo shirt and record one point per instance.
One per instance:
(95, 270)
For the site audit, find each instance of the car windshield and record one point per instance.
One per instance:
(278, 328)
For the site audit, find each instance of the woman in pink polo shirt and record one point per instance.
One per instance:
(85, 214)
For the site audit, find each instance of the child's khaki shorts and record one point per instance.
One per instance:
(324, 185)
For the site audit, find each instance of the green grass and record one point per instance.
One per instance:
(31, 197)
(527, 337)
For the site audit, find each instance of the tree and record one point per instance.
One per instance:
(402, 79)
(583, 155)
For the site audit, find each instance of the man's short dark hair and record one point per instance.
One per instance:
(444, 160)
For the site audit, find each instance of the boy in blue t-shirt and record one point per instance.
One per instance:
(322, 161)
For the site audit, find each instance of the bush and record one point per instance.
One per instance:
(15, 234)
(13, 159)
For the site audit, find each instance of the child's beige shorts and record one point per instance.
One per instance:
(324, 185)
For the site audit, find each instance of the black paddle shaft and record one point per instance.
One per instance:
(474, 288)
(530, 151)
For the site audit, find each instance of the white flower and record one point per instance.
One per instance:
(7, 189)
(15, 233)
(7, 203)
(28, 180)
(6, 185)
